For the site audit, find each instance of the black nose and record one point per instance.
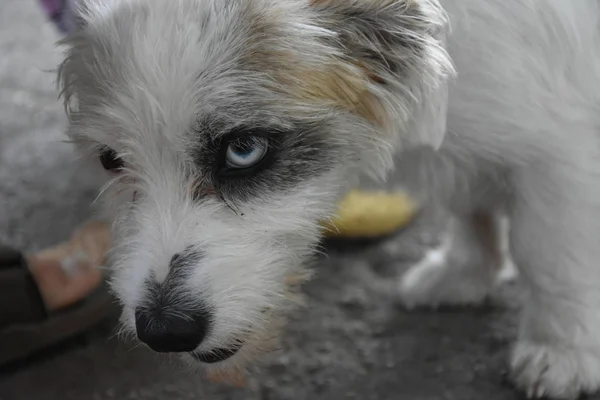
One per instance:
(170, 333)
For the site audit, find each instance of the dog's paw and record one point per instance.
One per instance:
(433, 282)
(544, 371)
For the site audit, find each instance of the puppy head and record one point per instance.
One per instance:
(230, 128)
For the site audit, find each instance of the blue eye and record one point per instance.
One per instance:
(246, 152)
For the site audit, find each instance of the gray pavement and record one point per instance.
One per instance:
(350, 342)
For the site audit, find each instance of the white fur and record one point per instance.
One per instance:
(522, 136)
(457, 272)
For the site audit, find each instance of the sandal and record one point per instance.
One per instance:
(40, 321)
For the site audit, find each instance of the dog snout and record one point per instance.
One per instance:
(170, 320)
(171, 332)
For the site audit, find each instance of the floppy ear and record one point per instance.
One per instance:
(399, 45)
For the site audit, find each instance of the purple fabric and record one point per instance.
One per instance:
(61, 12)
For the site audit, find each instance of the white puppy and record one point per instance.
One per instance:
(232, 127)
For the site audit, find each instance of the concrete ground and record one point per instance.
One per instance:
(351, 342)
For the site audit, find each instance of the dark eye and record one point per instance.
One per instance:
(110, 160)
(245, 152)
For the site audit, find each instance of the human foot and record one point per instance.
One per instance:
(67, 273)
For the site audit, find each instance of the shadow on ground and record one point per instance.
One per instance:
(351, 342)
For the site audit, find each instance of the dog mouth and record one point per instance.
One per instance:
(218, 355)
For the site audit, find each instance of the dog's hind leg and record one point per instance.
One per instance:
(554, 241)
(471, 259)
(473, 251)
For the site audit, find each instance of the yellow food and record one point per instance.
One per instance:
(368, 214)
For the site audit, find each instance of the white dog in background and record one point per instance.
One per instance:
(232, 127)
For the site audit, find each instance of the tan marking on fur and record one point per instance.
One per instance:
(338, 83)
(197, 188)
(344, 86)
(486, 226)
(293, 281)
(369, 73)
(234, 376)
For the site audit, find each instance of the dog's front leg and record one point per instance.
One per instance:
(554, 239)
